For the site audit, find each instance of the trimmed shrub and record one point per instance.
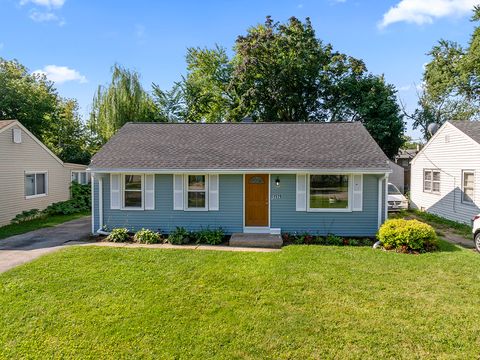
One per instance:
(179, 236)
(407, 235)
(119, 235)
(146, 236)
(209, 236)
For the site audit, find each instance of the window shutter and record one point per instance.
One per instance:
(213, 186)
(177, 192)
(115, 191)
(150, 192)
(357, 193)
(301, 192)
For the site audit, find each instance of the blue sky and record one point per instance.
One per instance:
(76, 42)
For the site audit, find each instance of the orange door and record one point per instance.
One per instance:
(256, 200)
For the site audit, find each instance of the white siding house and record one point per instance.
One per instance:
(445, 178)
(31, 176)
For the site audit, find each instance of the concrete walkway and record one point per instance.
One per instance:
(23, 248)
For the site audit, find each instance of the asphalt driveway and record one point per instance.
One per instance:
(23, 248)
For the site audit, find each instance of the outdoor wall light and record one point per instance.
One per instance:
(277, 181)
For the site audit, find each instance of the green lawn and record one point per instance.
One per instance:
(302, 302)
(15, 229)
(438, 222)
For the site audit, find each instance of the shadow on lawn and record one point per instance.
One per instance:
(445, 246)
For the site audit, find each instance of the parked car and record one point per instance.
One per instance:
(476, 231)
(396, 200)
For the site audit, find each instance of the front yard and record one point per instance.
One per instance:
(302, 302)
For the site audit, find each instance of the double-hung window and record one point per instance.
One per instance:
(431, 181)
(328, 192)
(468, 186)
(133, 191)
(196, 198)
(81, 177)
(36, 184)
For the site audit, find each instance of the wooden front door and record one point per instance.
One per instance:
(256, 200)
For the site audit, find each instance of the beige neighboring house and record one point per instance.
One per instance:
(31, 176)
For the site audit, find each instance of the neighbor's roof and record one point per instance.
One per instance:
(470, 128)
(5, 123)
(238, 146)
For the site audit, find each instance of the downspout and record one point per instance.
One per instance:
(100, 208)
(92, 188)
(386, 197)
(380, 180)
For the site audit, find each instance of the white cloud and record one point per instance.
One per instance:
(61, 74)
(425, 11)
(405, 88)
(47, 3)
(39, 16)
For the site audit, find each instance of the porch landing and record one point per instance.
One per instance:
(256, 240)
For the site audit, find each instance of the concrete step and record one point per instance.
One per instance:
(256, 240)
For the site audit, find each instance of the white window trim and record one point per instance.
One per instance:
(88, 178)
(46, 184)
(431, 181)
(186, 191)
(142, 185)
(350, 197)
(463, 186)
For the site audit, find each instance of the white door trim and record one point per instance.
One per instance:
(258, 229)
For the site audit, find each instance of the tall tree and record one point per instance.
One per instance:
(282, 72)
(278, 71)
(208, 96)
(68, 137)
(373, 102)
(170, 103)
(28, 98)
(123, 100)
(451, 81)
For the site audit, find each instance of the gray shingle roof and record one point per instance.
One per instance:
(471, 128)
(238, 146)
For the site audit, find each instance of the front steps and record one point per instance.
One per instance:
(256, 240)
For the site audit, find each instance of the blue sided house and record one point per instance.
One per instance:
(321, 178)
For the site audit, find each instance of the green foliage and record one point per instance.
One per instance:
(334, 240)
(28, 98)
(208, 96)
(452, 82)
(28, 215)
(80, 201)
(407, 235)
(119, 235)
(33, 100)
(179, 236)
(170, 104)
(209, 236)
(146, 236)
(283, 73)
(330, 239)
(123, 100)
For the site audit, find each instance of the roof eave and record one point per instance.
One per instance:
(379, 170)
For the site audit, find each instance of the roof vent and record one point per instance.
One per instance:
(17, 136)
